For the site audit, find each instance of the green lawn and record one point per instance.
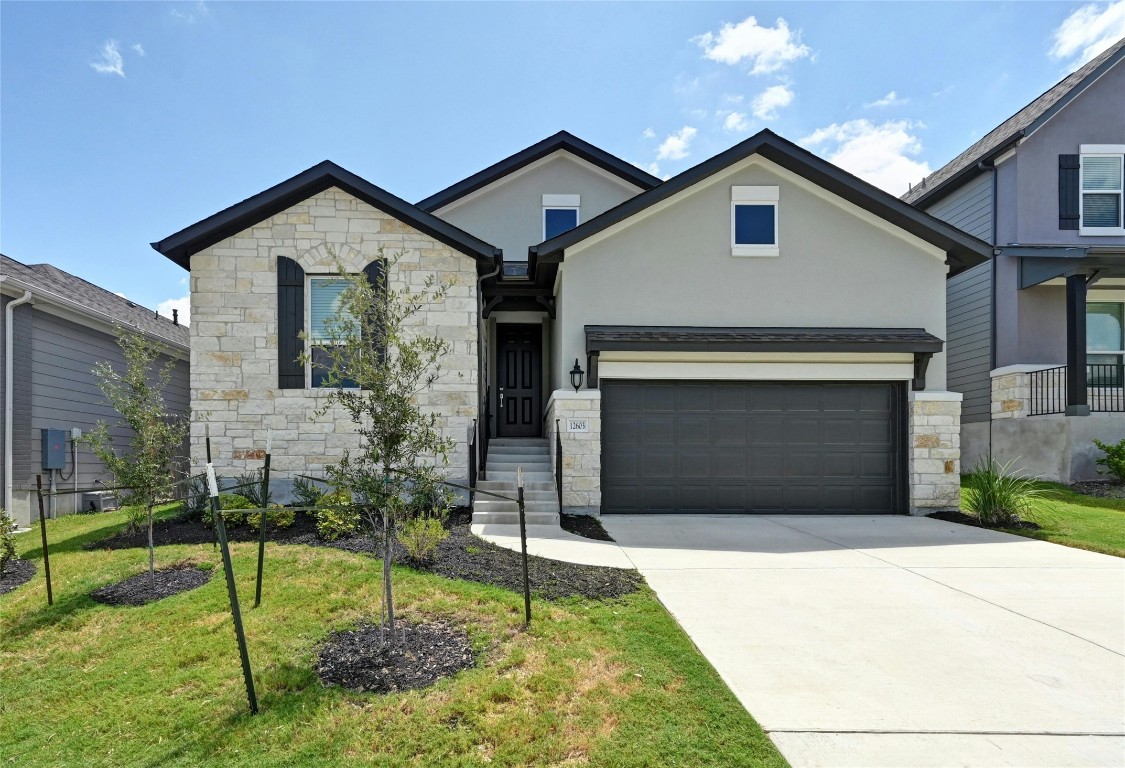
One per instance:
(1069, 518)
(612, 683)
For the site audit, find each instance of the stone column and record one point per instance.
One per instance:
(579, 423)
(934, 453)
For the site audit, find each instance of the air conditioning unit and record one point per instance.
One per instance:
(99, 501)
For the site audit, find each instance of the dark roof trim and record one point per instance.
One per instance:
(1020, 125)
(560, 141)
(645, 338)
(963, 250)
(180, 246)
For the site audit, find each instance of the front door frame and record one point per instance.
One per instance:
(532, 424)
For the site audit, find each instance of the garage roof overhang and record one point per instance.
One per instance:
(640, 338)
(1040, 263)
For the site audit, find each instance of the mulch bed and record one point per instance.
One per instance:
(586, 526)
(1103, 489)
(137, 590)
(963, 519)
(17, 572)
(180, 531)
(368, 660)
(468, 558)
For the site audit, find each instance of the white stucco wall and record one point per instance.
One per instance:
(838, 266)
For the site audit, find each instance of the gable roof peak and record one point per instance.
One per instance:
(324, 175)
(561, 141)
(1017, 127)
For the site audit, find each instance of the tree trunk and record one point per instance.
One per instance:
(151, 553)
(388, 550)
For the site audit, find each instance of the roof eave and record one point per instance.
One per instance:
(180, 246)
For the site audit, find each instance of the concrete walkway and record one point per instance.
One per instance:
(897, 641)
(553, 543)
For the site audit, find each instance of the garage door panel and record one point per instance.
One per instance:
(796, 447)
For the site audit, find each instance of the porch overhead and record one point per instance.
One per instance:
(1041, 263)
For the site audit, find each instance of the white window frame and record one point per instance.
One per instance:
(757, 195)
(1118, 352)
(310, 342)
(561, 203)
(1101, 150)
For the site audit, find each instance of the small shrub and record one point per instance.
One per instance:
(277, 516)
(197, 505)
(137, 516)
(250, 486)
(336, 516)
(420, 537)
(999, 494)
(234, 509)
(306, 493)
(7, 541)
(1114, 459)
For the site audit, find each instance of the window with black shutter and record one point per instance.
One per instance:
(290, 323)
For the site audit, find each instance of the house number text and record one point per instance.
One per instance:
(577, 425)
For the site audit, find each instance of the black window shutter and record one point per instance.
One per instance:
(375, 272)
(290, 323)
(1069, 198)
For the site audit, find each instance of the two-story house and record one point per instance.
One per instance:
(1036, 334)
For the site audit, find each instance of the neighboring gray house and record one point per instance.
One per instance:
(56, 328)
(1037, 333)
(761, 333)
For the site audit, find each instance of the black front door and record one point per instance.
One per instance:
(519, 373)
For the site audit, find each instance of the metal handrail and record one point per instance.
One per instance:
(472, 460)
(485, 434)
(1105, 390)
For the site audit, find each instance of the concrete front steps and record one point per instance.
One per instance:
(541, 501)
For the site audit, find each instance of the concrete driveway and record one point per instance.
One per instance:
(899, 641)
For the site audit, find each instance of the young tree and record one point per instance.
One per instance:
(137, 393)
(377, 362)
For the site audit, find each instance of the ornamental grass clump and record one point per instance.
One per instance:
(999, 495)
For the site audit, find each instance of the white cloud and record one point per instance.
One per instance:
(1089, 31)
(769, 48)
(880, 154)
(890, 100)
(110, 62)
(766, 103)
(736, 122)
(649, 134)
(677, 145)
(183, 305)
(198, 11)
(138, 49)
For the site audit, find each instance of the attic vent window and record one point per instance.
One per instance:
(753, 221)
(560, 214)
(1101, 175)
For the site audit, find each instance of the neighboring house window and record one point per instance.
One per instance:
(560, 213)
(1105, 342)
(326, 326)
(753, 221)
(1101, 175)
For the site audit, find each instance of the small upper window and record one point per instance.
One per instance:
(753, 221)
(1102, 172)
(560, 213)
(328, 326)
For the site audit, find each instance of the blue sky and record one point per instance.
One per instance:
(121, 123)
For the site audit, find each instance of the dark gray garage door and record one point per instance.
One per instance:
(687, 446)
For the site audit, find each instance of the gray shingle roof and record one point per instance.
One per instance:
(1023, 122)
(52, 280)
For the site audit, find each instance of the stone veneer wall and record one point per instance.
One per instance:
(234, 334)
(934, 435)
(582, 451)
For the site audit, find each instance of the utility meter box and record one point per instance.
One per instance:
(54, 449)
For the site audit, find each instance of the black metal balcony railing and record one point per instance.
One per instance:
(1105, 389)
